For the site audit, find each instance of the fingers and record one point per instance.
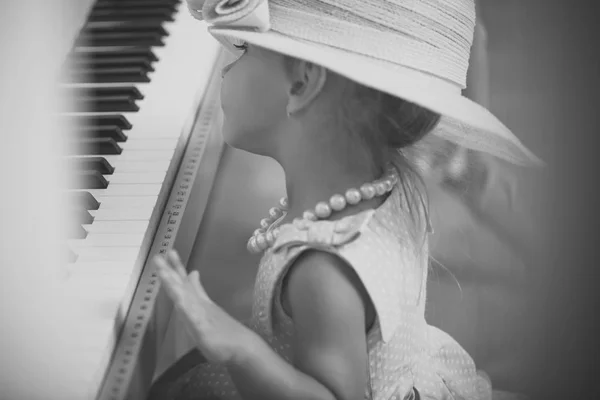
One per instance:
(177, 282)
(176, 264)
(171, 281)
(196, 284)
(165, 270)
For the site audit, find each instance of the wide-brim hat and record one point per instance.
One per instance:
(415, 50)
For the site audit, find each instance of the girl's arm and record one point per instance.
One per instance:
(330, 351)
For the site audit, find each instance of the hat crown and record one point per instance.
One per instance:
(431, 36)
(434, 36)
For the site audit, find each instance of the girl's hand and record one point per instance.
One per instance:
(218, 336)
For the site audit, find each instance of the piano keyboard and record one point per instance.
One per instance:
(142, 76)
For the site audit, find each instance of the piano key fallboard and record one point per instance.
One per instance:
(144, 82)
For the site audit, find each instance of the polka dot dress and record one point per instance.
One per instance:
(404, 351)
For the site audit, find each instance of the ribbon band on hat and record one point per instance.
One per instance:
(244, 14)
(401, 39)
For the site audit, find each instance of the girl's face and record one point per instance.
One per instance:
(254, 96)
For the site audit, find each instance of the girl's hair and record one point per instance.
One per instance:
(387, 126)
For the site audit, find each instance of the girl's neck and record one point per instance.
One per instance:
(319, 162)
(309, 182)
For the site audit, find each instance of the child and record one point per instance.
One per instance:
(335, 91)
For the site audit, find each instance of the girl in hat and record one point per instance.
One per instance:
(336, 92)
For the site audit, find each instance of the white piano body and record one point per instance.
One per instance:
(173, 146)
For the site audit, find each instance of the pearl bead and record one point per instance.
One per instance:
(265, 237)
(353, 196)
(261, 242)
(252, 245)
(380, 188)
(388, 184)
(368, 191)
(270, 238)
(283, 203)
(337, 202)
(322, 210)
(274, 213)
(309, 215)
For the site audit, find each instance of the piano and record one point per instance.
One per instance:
(143, 76)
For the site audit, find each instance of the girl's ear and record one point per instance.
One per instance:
(306, 83)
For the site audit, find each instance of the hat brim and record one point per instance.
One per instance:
(463, 121)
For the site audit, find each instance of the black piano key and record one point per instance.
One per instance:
(113, 132)
(76, 231)
(112, 52)
(99, 164)
(121, 39)
(141, 3)
(134, 5)
(129, 91)
(108, 104)
(89, 179)
(136, 1)
(102, 99)
(101, 120)
(81, 216)
(83, 200)
(94, 28)
(110, 75)
(115, 14)
(100, 146)
(113, 62)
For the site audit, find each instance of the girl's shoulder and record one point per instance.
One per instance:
(390, 267)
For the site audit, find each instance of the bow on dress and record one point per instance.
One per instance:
(242, 14)
(322, 234)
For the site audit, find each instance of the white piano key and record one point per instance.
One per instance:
(141, 155)
(166, 154)
(97, 288)
(140, 166)
(123, 254)
(108, 240)
(110, 269)
(141, 144)
(117, 227)
(128, 202)
(128, 190)
(121, 214)
(119, 177)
